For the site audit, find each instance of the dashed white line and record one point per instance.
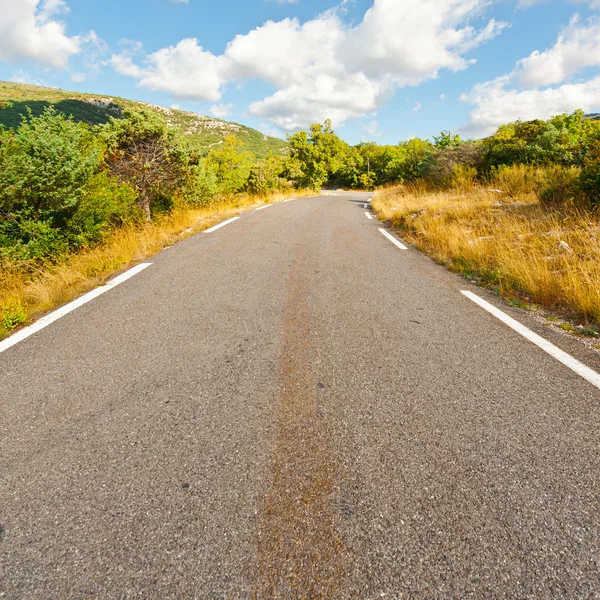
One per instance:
(393, 239)
(265, 206)
(221, 225)
(65, 310)
(369, 215)
(548, 347)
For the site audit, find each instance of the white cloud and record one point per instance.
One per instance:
(577, 47)
(324, 68)
(185, 70)
(495, 103)
(540, 86)
(417, 107)
(30, 31)
(220, 111)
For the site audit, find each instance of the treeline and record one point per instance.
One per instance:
(65, 185)
(558, 158)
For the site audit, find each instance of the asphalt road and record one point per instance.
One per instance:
(293, 407)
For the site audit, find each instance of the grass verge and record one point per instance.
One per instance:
(531, 254)
(25, 296)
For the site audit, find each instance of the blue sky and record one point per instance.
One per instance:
(382, 70)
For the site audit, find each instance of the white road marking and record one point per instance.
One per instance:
(369, 215)
(265, 206)
(288, 200)
(393, 239)
(221, 225)
(365, 205)
(65, 310)
(560, 355)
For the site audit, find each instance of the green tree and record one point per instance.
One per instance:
(316, 156)
(143, 152)
(265, 175)
(45, 165)
(231, 164)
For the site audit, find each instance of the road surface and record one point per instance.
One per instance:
(292, 406)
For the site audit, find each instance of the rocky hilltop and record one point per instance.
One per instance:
(201, 130)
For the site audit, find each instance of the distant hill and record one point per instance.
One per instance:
(593, 116)
(202, 131)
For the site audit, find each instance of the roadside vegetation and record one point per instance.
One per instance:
(518, 212)
(81, 198)
(79, 202)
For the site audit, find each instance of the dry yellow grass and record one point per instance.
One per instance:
(512, 243)
(26, 296)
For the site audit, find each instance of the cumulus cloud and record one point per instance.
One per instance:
(324, 68)
(577, 47)
(185, 70)
(540, 86)
(496, 103)
(29, 30)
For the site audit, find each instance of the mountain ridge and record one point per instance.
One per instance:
(202, 131)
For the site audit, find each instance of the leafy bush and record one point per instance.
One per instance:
(201, 185)
(45, 165)
(230, 164)
(12, 315)
(589, 182)
(105, 204)
(515, 179)
(558, 185)
(452, 163)
(143, 153)
(265, 176)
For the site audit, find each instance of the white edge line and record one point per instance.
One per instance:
(369, 215)
(221, 225)
(288, 200)
(393, 239)
(265, 206)
(548, 347)
(40, 324)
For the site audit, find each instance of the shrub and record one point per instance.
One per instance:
(589, 182)
(264, 177)
(143, 153)
(453, 163)
(557, 185)
(231, 165)
(200, 187)
(12, 316)
(106, 203)
(45, 165)
(515, 179)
